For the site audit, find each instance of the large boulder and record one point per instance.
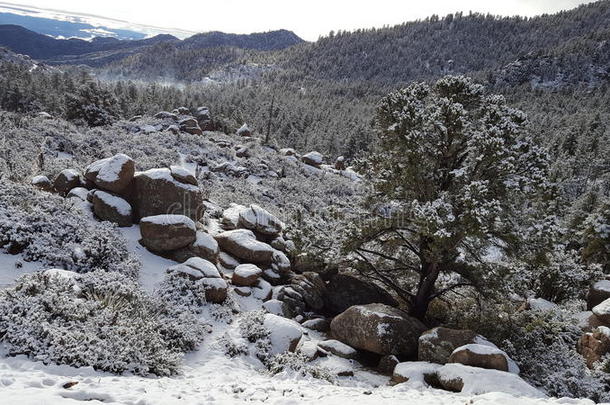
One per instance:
(259, 220)
(112, 208)
(156, 192)
(313, 159)
(345, 290)
(242, 244)
(42, 182)
(587, 321)
(244, 130)
(378, 328)
(161, 233)
(66, 180)
(594, 345)
(602, 312)
(113, 174)
(284, 334)
(598, 293)
(437, 344)
(483, 356)
(246, 275)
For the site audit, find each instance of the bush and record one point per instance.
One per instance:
(52, 230)
(99, 319)
(296, 363)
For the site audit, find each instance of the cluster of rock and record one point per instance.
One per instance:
(594, 344)
(181, 119)
(120, 194)
(315, 159)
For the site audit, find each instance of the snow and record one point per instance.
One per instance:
(414, 371)
(188, 270)
(121, 206)
(40, 180)
(248, 270)
(261, 290)
(153, 266)
(283, 333)
(540, 304)
(69, 174)
(208, 269)
(338, 348)
(12, 267)
(165, 174)
(230, 216)
(604, 330)
(482, 381)
(275, 307)
(603, 285)
(315, 157)
(169, 219)
(110, 168)
(78, 192)
(489, 349)
(602, 309)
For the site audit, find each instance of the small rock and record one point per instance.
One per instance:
(338, 349)
(246, 275)
(66, 181)
(42, 182)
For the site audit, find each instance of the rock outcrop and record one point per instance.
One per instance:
(113, 174)
(157, 192)
(112, 208)
(162, 233)
(598, 293)
(594, 345)
(347, 290)
(379, 329)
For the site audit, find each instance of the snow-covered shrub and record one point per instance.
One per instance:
(99, 319)
(254, 331)
(542, 343)
(53, 231)
(181, 291)
(231, 347)
(544, 346)
(296, 364)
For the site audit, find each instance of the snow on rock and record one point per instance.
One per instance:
(259, 220)
(598, 293)
(484, 356)
(473, 380)
(284, 335)
(156, 192)
(275, 307)
(80, 193)
(262, 290)
(42, 182)
(162, 233)
(205, 246)
(183, 175)
(602, 311)
(242, 244)
(313, 158)
(244, 130)
(246, 275)
(113, 174)
(108, 207)
(413, 373)
(230, 216)
(541, 305)
(66, 180)
(227, 261)
(338, 349)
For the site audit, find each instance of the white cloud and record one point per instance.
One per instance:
(309, 19)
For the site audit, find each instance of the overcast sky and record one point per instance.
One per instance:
(308, 18)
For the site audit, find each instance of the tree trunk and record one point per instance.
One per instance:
(425, 289)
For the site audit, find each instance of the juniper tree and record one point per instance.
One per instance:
(454, 174)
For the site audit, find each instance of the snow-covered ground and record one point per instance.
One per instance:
(208, 375)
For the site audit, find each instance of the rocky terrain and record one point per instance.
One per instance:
(209, 224)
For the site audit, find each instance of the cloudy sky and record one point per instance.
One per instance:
(309, 19)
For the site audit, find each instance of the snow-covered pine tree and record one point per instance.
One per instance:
(454, 176)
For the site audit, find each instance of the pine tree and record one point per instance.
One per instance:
(453, 173)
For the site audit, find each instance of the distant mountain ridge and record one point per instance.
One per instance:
(42, 47)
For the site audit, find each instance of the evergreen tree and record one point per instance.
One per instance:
(454, 173)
